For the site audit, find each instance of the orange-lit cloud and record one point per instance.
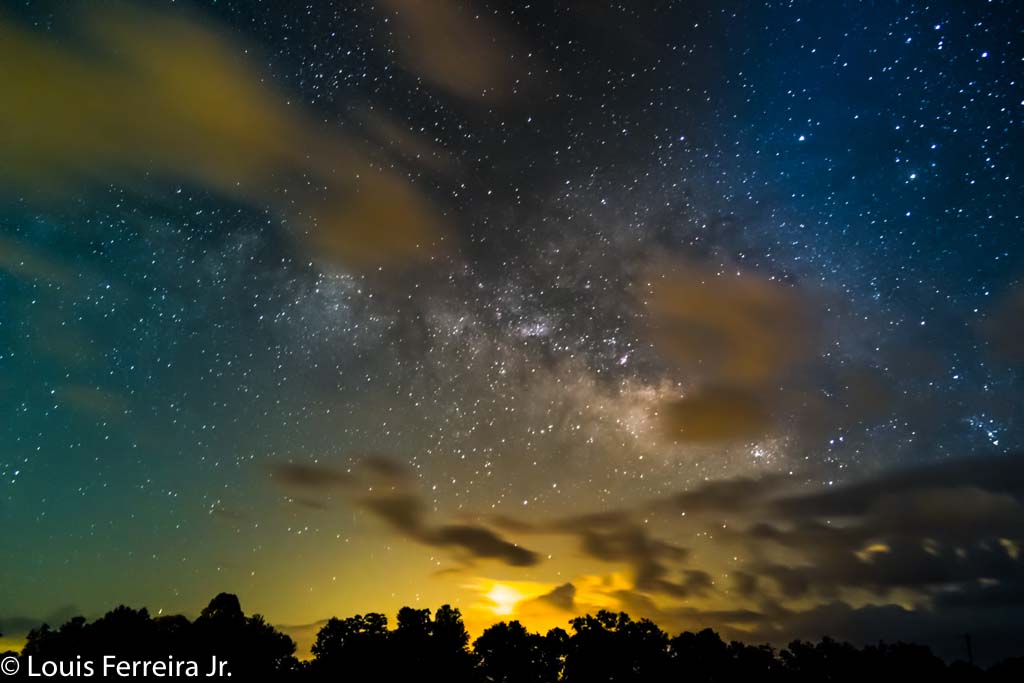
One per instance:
(502, 598)
(728, 327)
(142, 95)
(924, 537)
(714, 412)
(454, 48)
(541, 605)
(734, 337)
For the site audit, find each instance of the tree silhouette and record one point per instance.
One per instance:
(438, 647)
(249, 645)
(354, 647)
(701, 657)
(451, 657)
(508, 653)
(607, 646)
(613, 647)
(1011, 669)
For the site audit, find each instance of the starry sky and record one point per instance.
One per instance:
(705, 311)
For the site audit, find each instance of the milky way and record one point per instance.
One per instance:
(704, 311)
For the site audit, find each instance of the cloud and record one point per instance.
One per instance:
(461, 52)
(734, 337)
(382, 466)
(993, 473)
(403, 511)
(938, 536)
(916, 549)
(19, 626)
(650, 558)
(929, 531)
(93, 401)
(742, 329)
(481, 542)
(713, 413)
(561, 597)
(19, 260)
(395, 137)
(393, 501)
(849, 397)
(139, 95)
(616, 537)
(746, 584)
(316, 478)
(1004, 327)
(406, 514)
(934, 537)
(304, 636)
(724, 495)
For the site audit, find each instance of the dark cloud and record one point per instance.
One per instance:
(987, 594)
(724, 495)
(616, 537)
(481, 542)
(938, 530)
(849, 398)
(1004, 328)
(563, 597)
(396, 503)
(994, 473)
(946, 536)
(405, 512)
(385, 467)
(885, 551)
(941, 535)
(746, 583)
(19, 626)
(649, 557)
(309, 477)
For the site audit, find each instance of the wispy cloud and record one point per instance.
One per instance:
(385, 488)
(157, 95)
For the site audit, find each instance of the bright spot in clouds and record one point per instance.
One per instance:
(504, 598)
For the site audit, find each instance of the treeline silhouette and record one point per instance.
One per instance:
(604, 647)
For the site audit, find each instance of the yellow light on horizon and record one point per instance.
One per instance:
(505, 598)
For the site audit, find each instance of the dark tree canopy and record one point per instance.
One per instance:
(251, 646)
(607, 647)
(508, 653)
(354, 646)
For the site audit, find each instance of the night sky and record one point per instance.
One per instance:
(706, 311)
